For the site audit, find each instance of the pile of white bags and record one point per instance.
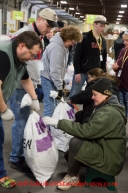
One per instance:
(62, 139)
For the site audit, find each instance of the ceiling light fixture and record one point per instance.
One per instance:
(124, 6)
(81, 16)
(63, 2)
(77, 13)
(121, 11)
(117, 22)
(119, 15)
(118, 19)
(71, 8)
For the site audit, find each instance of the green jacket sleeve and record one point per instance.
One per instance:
(100, 125)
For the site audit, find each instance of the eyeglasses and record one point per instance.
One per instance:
(47, 25)
(32, 55)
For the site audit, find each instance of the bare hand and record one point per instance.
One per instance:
(115, 66)
(69, 102)
(78, 78)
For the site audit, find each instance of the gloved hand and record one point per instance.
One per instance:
(53, 94)
(39, 92)
(50, 121)
(7, 115)
(60, 94)
(35, 105)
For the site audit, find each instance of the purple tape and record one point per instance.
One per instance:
(44, 144)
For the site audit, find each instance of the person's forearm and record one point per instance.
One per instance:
(29, 88)
(3, 106)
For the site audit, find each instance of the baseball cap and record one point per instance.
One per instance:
(50, 16)
(60, 24)
(101, 19)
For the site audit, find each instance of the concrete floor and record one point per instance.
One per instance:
(24, 180)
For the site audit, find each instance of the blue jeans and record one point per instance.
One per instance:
(76, 87)
(21, 117)
(2, 170)
(49, 103)
(124, 100)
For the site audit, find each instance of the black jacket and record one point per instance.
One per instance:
(118, 45)
(85, 98)
(87, 54)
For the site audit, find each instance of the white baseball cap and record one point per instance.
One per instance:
(101, 19)
(50, 16)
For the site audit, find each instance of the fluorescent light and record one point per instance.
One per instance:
(124, 6)
(81, 16)
(77, 13)
(121, 11)
(118, 19)
(119, 15)
(63, 2)
(117, 22)
(71, 8)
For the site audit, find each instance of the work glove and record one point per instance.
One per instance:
(50, 121)
(7, 115)
(35, 105)
(60, 94)
(39, 92)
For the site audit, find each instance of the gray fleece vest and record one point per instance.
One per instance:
(10, 83)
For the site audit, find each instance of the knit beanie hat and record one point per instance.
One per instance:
(103, 86)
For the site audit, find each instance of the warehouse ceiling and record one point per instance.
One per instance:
(109, 8)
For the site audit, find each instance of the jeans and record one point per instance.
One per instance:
(49, 103)
(73, 164)
(21, 117)
(76, 87)
(124, 100)
(2, 170)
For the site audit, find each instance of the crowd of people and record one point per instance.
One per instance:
(99, 130)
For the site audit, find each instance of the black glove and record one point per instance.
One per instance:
(60, 94)
(39, 92)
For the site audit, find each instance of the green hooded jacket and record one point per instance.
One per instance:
(104, 145)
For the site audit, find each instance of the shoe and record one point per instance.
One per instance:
(68, 182)
(7, 182)
(21, 165)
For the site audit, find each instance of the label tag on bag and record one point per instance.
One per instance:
(101, 57)
(119, 73)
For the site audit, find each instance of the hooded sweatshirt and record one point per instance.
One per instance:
(55, 59)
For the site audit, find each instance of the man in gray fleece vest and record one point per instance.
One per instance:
(13, 56)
